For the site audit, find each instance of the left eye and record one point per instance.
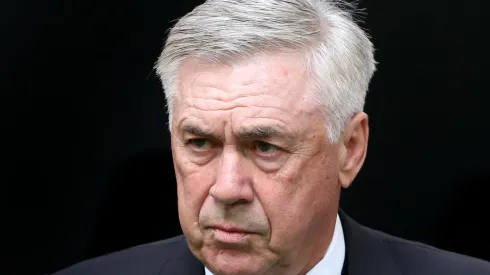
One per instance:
(264, 147)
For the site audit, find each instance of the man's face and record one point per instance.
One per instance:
(258, 181)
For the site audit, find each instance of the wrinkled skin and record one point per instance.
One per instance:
(250, 150)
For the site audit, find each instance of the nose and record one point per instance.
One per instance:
(233, 180)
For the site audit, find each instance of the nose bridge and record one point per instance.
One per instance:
(229, 171)
(232, 182)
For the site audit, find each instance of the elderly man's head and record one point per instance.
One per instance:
(265, 101)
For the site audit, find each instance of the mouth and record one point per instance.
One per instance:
(231, 235)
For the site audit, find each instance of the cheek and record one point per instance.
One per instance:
(193, 188)
(296, 199)
(282, 204)
(319, 185)
(287, 219)
(193, 184)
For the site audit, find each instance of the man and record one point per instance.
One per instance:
(265, 101)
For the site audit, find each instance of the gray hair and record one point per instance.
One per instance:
(338, 53)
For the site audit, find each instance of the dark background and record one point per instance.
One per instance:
(86, 166)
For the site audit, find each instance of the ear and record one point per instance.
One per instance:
(353, 148)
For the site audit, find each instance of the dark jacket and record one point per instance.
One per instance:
(368, 252)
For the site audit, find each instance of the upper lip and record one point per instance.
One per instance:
(230, 229)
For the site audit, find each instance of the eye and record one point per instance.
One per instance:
(264, 147)
(200, 143)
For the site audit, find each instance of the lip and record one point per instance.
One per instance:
(230, 229)
(230, 234)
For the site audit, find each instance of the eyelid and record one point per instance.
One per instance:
(189, 142)
(276, 150)
(190, 138)
(267, 142)
(271, 145)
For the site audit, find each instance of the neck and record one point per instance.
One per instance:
(320, 245)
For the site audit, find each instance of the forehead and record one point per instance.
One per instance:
(265, 74)
(273, 88)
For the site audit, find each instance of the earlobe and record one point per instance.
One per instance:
(353, 149)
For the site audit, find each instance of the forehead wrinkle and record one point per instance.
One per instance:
(270, 92)
(238, 86)
(183, 91)
(227, 94)
(212, 105)
(258, 99)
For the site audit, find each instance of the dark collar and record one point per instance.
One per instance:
(366, 253)
(183, 262)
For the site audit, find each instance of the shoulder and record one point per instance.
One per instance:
(144, 259)
(418, 258)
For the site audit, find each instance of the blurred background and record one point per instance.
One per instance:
(86, 165)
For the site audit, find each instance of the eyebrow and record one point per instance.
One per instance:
(262, 132)
(256, 132)
(197, 131)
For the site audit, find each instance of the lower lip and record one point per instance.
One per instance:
(229, 237)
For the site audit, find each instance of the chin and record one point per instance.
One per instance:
(233, 262)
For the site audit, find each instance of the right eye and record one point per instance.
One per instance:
(199, 143)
